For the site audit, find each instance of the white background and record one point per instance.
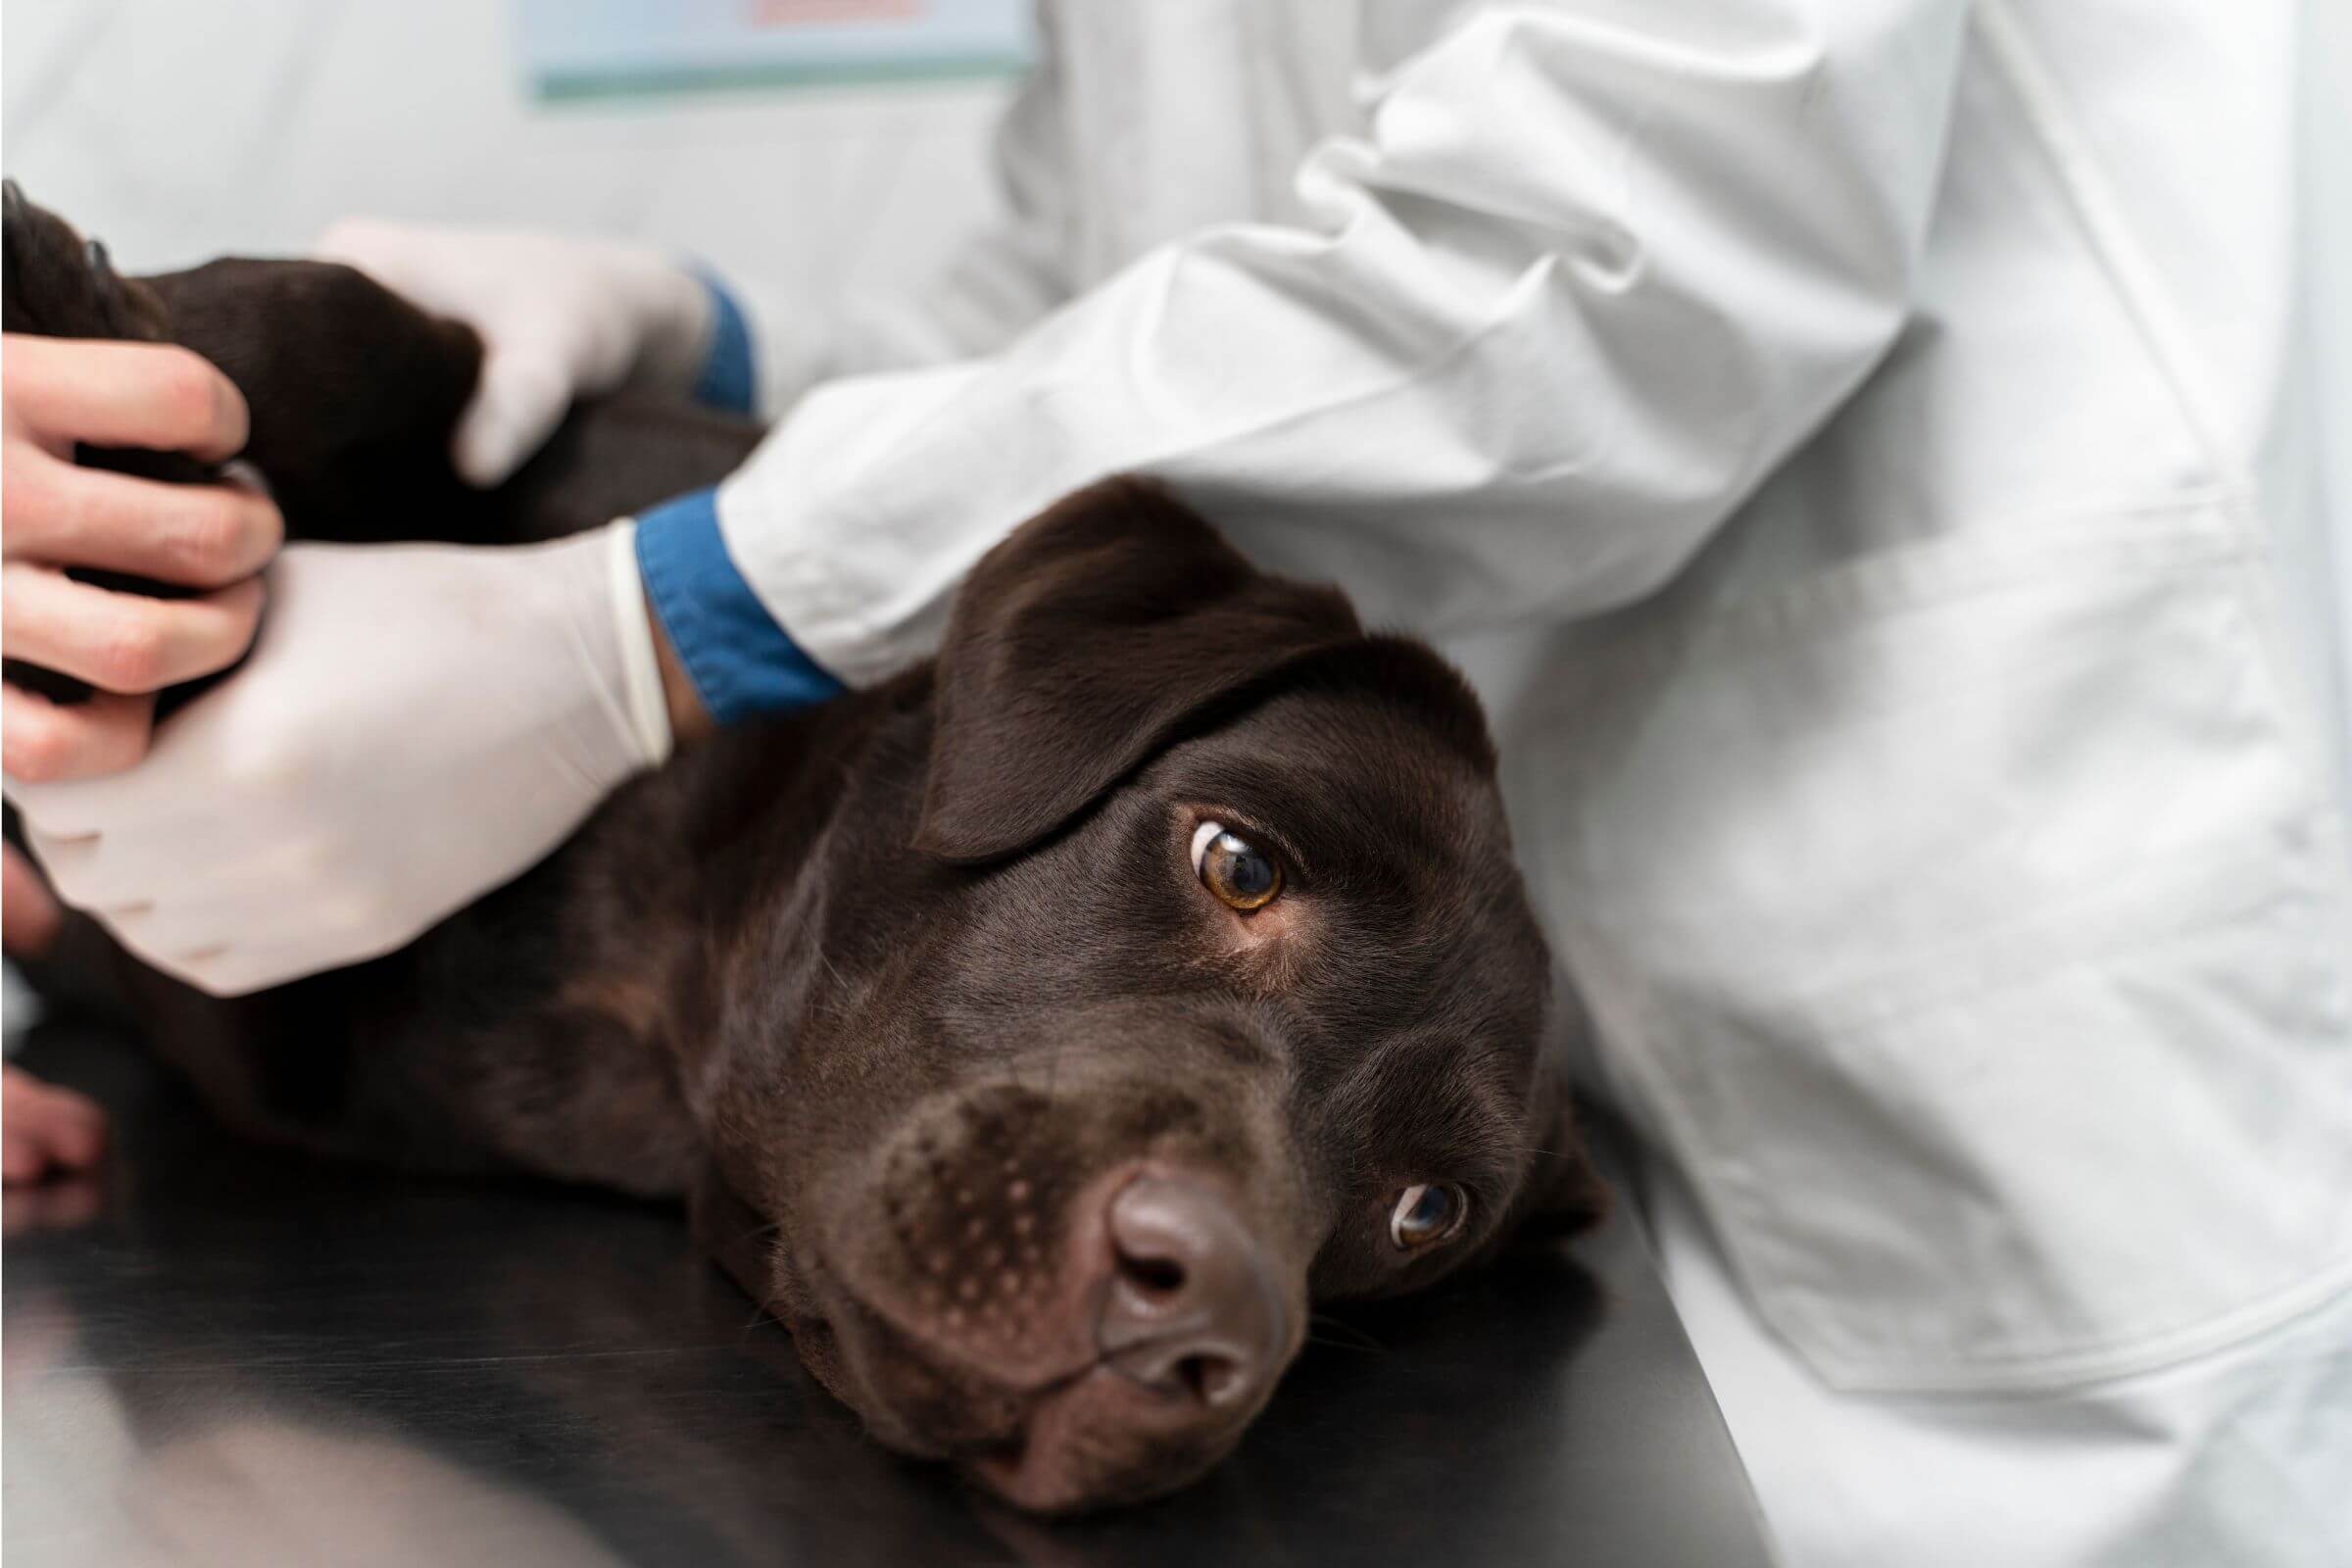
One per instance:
(180, 130)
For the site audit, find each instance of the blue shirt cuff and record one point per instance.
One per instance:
(740, 661)
(728, 380)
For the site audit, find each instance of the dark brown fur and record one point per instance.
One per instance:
(882, 985)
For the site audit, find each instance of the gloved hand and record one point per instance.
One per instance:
(417, 724)
(558, 318)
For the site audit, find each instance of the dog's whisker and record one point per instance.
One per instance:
(1354, 1339)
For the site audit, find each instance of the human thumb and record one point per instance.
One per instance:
(520, 400)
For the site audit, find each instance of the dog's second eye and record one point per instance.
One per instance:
(1426, 1213)
(1241, 875)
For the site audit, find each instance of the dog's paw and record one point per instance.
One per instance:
(58, 285)
(46, 1130)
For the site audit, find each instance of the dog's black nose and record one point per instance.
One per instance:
(1192, 1309)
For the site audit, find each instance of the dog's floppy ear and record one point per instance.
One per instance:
(1087, 641)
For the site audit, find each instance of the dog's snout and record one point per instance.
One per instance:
(1191, 1326)
(1087, 1298)
(1192, 1309)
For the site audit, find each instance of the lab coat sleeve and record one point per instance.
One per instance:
(999, 283)
(1587, 275)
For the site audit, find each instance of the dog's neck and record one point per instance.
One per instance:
(754, 812)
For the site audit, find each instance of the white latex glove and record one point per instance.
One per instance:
(417, 724)
(558, 318)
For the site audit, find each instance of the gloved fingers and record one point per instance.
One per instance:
(123, 641)
(357, 242)
(144, 854)
(236, 943)
(240, 970)
(399, 255)
(520, 399)
(163, 925)
(152, 800)
(199, 536)
(91, 871)
(110, 394)
(195, 959)
(190, 944)
(42, 741)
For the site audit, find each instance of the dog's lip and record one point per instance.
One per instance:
(1003, 1451)
(1022, 1393)
(1026, 1389)
(1007, 1467)
(1010, 1446)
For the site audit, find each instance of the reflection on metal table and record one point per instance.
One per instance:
(225, 1353)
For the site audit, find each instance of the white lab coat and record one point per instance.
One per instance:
(1865, 452)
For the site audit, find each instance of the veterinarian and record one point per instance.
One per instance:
(1867, 454)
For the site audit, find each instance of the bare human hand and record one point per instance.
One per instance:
(54, 393)
(45, 1129)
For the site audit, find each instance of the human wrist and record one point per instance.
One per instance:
(736, 659)
(639, 650)
(728, 378)
(689, 719)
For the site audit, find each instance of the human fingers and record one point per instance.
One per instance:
(517, 405)
(199, 536)
(159, 396)
(46, 1127)
(43, 742)
(121, 641)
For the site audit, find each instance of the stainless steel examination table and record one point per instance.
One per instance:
(220, 1353)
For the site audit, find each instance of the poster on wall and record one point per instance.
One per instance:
(578, 49)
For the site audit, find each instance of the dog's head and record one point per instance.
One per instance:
(1205, 990)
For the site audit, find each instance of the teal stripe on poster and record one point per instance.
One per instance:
(589, 49)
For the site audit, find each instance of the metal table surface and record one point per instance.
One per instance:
(222, 1353)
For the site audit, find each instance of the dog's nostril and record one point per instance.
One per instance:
(1192, 1311)
(1210, 1379)
(1158, 1276)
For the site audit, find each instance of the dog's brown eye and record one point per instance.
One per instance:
(1426, 1213)
(1240, 875)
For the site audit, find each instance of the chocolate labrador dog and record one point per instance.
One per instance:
(1039, 1034)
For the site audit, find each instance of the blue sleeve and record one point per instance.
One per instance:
(741, 661)
(730, 380)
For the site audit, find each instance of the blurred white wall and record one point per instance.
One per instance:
(2327, 98)
(177, 130)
